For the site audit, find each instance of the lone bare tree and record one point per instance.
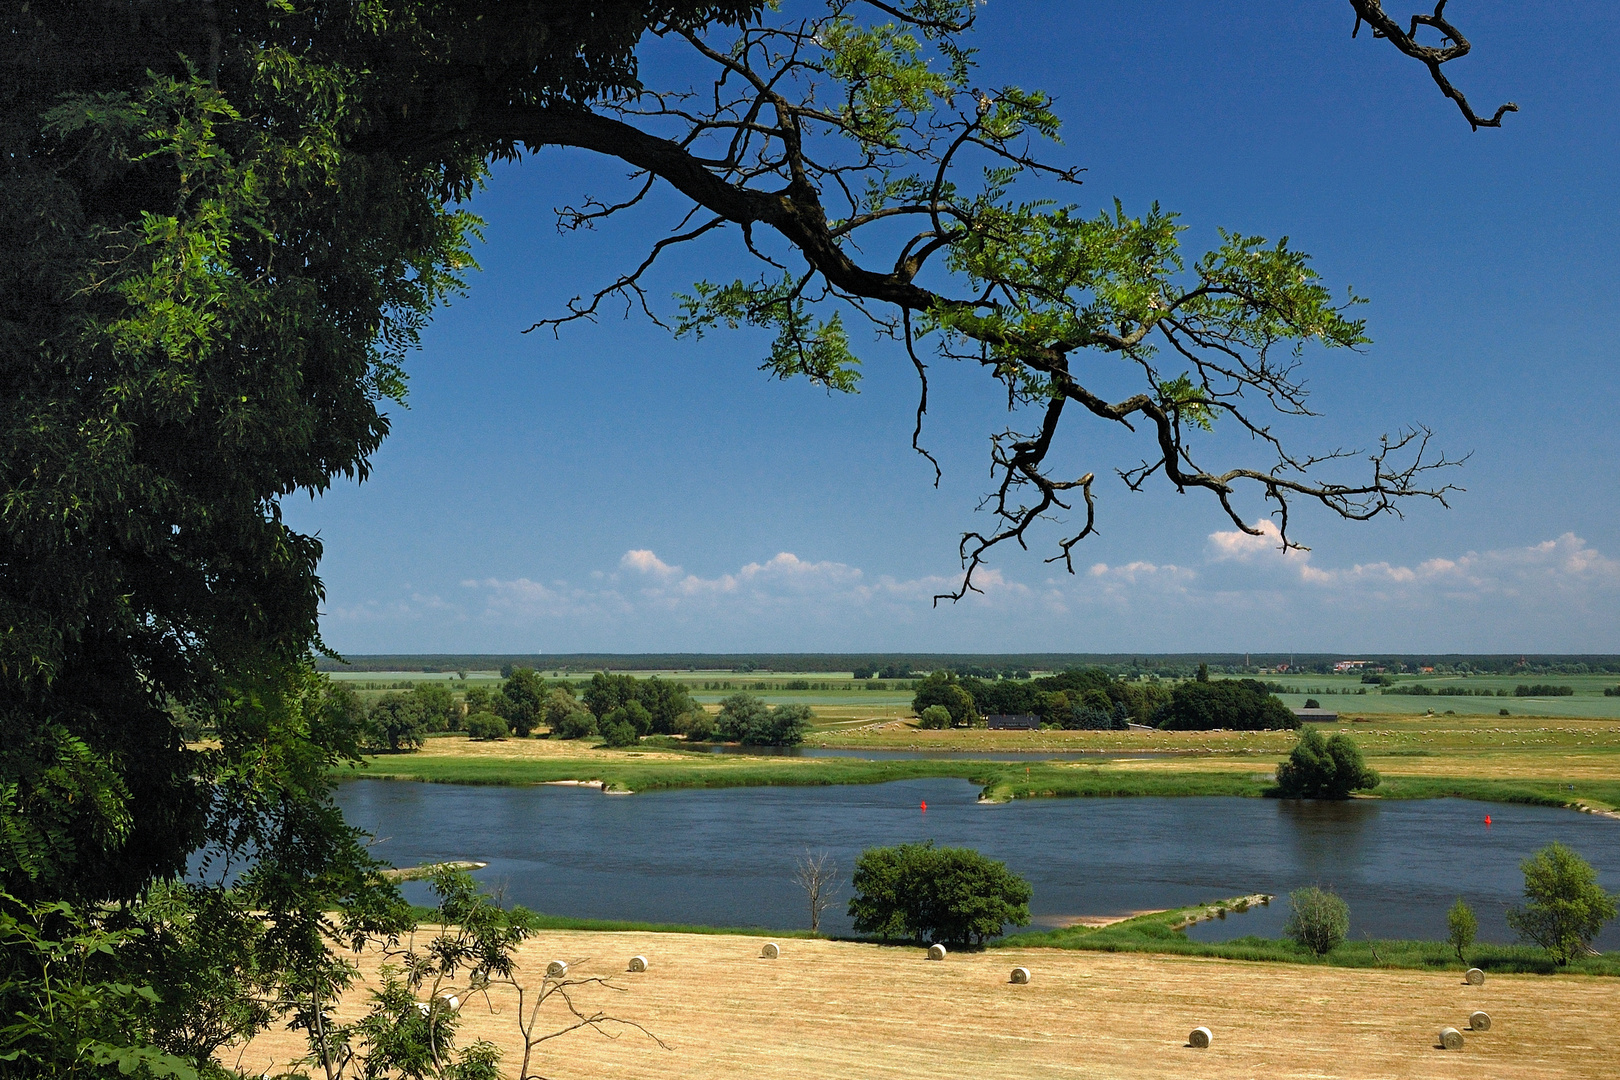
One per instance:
(817, 875)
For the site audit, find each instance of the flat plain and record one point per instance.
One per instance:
(843, 1009)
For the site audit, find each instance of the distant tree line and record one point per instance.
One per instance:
(1095, 699)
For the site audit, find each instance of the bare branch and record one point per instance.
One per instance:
(1372, 12)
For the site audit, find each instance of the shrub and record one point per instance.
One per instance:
(935, 716)
(1461, 926)
(1543, 690)
(920, 893)
(1566, 906)
(1312, 703)
(575, 723)
(486, 725)
(1321, 768)
(521, 698)
(1238, 704)
(1317, 919)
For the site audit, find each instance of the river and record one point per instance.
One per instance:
(726, 857)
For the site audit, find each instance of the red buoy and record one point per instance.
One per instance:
(925, 806)
(1487, 820)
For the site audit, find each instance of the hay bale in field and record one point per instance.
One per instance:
(1474, 977)
(557, 969)
(1200, 1037)
(453, 1003)
(936, 951)
(1020, 975)
(1451, 1038)
(1479, 1021)
(638, 963)
(770, 951)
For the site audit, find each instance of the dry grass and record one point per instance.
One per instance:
(833, 1009)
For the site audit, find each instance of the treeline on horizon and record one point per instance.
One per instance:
(984, 665)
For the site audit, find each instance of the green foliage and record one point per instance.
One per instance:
(618, 728)
(1542, 690)
(1461, 926)
(486, 726)
(697, 726)
(935, 717)
(746, 719)
(1565, 906)
(571, 722)
(396, 723)
(664, 702)
(1234, 704)
(1317, 919)
(436, 706)
(921, 893)
(942, 688)
(816, 349)
(1319, 768)
(521, 701)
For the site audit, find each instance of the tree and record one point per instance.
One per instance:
(817, 875)
(1565, 907)
(1236, 704)
(1319, 768)
(396, 722)
(1461, 926)
(922, 893)
(436, 706)
(618, 729)
(605, 692)
(745, 718)
(223, 233)
(1317, 919)
(934, 717)
(942, 688)
(521, 699)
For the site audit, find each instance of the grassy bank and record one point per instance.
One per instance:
(1160, 933)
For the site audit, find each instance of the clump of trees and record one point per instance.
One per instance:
(923, 893)
(1081, 698)
(1319, 768)
(650, 706)
(1234, 704)
(1565, 907)
(747, 719)
(1318, 920)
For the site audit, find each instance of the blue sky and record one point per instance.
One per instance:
(615, 489)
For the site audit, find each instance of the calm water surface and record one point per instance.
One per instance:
(931, 755)
(727, 857)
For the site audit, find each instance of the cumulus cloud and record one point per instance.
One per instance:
(1558, 594)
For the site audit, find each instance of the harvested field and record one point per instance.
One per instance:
(836, 1009)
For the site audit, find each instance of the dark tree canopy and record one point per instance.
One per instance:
(1233, 704)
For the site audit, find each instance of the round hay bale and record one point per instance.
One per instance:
(1479, 1021)
(557, 969)
(638, 963)
(1451, 1038)
(1200, 1037)
(936, 951)
(1474, 977)
(770, 951)
(451, 1002)
(1020, 975)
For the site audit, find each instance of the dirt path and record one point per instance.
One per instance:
(836, 1010)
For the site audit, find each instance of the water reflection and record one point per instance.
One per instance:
(727, 857)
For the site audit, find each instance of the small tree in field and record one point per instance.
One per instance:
(1461, 926)
(923, 893)
(1566, 906)
(486, 725)
(935, 716)
(1319, 768)
(817, 875)
(1317, 919)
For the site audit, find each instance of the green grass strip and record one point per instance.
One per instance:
(1158, 933)
(998, 780)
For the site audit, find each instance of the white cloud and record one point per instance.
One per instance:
(1557, 595)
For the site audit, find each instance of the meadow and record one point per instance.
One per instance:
(838, 1008)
